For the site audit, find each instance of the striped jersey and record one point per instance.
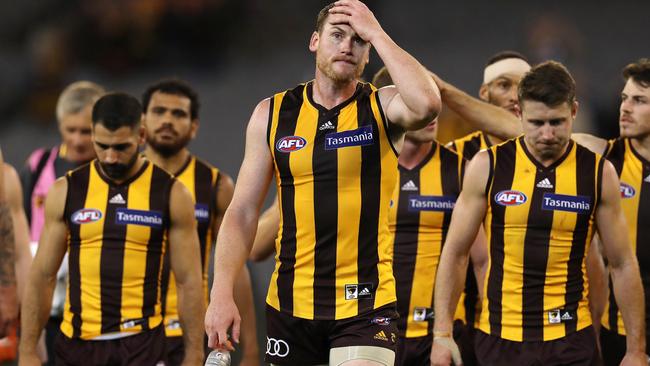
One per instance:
(201, 180)
(116, 242)
(335, 173)
(419, 218)
(468, 145)
(539, 225)
(634, 173)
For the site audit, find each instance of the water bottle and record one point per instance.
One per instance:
(218, 358)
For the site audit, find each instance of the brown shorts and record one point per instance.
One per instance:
(464, 338)
(613, 346)
(296, 341)
(414, 351)
(143, 349)
(578, 348)
(174, 351)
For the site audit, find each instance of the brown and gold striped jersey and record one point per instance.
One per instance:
(634, 173)
(116, 242)
(539, 225)
(201, 180)
(468, 145)
(335, 173)
(419, 218)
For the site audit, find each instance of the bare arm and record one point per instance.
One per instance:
(238, 229)
(243, 290)
(482, 115)
(465, 223)
(591, 142)
(598, 284)
(414, 101)
(479, 256)
(8, 298)
(185, 260)
(267, 232)
(622, 262)
(42, 276)
(21, 229)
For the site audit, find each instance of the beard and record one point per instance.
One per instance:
(118, 171)
(168, 148)
(326, 67)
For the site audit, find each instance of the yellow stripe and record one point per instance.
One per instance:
(349, 202)
(90, 257)
(386, 292)
(272, 294)
(516, 219)
(135, 250)
(301, 160)
(428, 250)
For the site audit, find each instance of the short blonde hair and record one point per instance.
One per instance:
(77, 96)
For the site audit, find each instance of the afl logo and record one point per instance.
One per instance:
(86, 215)
(510, 198)
(290, 143)
(627, 191)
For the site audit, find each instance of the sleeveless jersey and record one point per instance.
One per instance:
(539, 225)
(116, 242)
(201, 180)
(419, 218)
(335, 173)
(634, 173)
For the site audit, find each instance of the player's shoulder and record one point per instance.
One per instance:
(476, 135)
(447, 151)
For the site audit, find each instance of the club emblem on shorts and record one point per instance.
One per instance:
(358, 291)
(380, 320)
(627, 191)
(510, 198)
(276, 347)
(86, 216)
(289, 144)
(422, 314)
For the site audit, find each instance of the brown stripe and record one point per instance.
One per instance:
(76, 197)
(204, 198)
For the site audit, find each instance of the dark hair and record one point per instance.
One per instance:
(504, 55)
(639, 72)
(174, 87)
(116, 110)
(382, 78)
(322, 17)
(549, 83)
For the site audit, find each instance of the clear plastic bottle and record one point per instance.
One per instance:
(218, 358)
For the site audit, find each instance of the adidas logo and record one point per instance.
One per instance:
(566, 316)
(409, 186)
(544, 183)
(117, 199)
(381, 336)
(647, 179)
(364, 291)
(326, 126)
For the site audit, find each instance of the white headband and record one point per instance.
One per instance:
(506, 66)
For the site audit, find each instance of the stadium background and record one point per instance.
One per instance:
(236, 52)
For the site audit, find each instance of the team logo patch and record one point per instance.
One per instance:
(289, 144)
(380, 320)
(86, 216)
(125, 216)
(360, 137)
(510, 198)
(422, 314)
(627, 191)
(432, 203)
(558, 316)
(358, 291)
(562, 202)
(201, 212)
